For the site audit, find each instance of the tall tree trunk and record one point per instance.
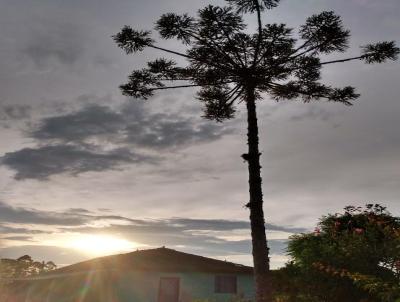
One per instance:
(259, 241)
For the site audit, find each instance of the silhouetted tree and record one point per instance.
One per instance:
(12, 270)
(230, 65)
(23, 267)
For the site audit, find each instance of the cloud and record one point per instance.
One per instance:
(224, 225)
(212, 237)
(132, 124)
(209, 237)
(15, 112)
(78, 211)
(19, 238)
(91, 121)
(18, 230)
(169, 233)
(313, 113)
(31, 216)
(78, 217)
(53, 41)
(75, 142)
(42, 162)
(68, 217)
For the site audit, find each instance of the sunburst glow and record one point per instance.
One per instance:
(101, 244)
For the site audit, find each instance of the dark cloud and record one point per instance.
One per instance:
(68, 217)
(224, 225)
(42, 162)
(18, 230)
(31, 216)
(91, 121)
(51, 41)
(73, 143)
(314, 113)
(78, 211)
(75, 219)
(132, 124)
(176, 227)
(19, 238)
(15, 112)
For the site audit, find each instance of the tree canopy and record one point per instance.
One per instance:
(223, 57)
(352, 255)
(14, 270)
(23, 266)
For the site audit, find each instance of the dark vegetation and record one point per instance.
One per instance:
(353, 256)
(23, 267)
(15, 271)
(231, 65)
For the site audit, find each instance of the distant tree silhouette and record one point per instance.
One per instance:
(22, 267)
(231, 65)
(12, 270)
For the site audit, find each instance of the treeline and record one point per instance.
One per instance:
(13, 271)
(22, 267)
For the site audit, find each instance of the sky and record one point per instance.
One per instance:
(85, 171)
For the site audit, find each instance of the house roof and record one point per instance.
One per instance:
(160, 260)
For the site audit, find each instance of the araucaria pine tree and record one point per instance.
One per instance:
(230, 65)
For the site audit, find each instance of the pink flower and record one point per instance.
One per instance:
(358, 231)
(317, 231)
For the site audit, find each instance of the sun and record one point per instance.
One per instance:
(99, 245)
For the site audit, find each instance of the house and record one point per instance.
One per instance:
(154, 275)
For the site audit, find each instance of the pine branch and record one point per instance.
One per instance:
(237, 55)
(265, 53)
(189, 57)
(306, 51)
(214, 46)
(289, 58)
(238, 95)
(174, 87)
(343, 60)
(335, 61)
(176, 79)
(301, 47)
(171, 51)
(331, 94)
(260, 32)
(233, 91)
(187, 86)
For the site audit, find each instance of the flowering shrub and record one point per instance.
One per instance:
(350, 256)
